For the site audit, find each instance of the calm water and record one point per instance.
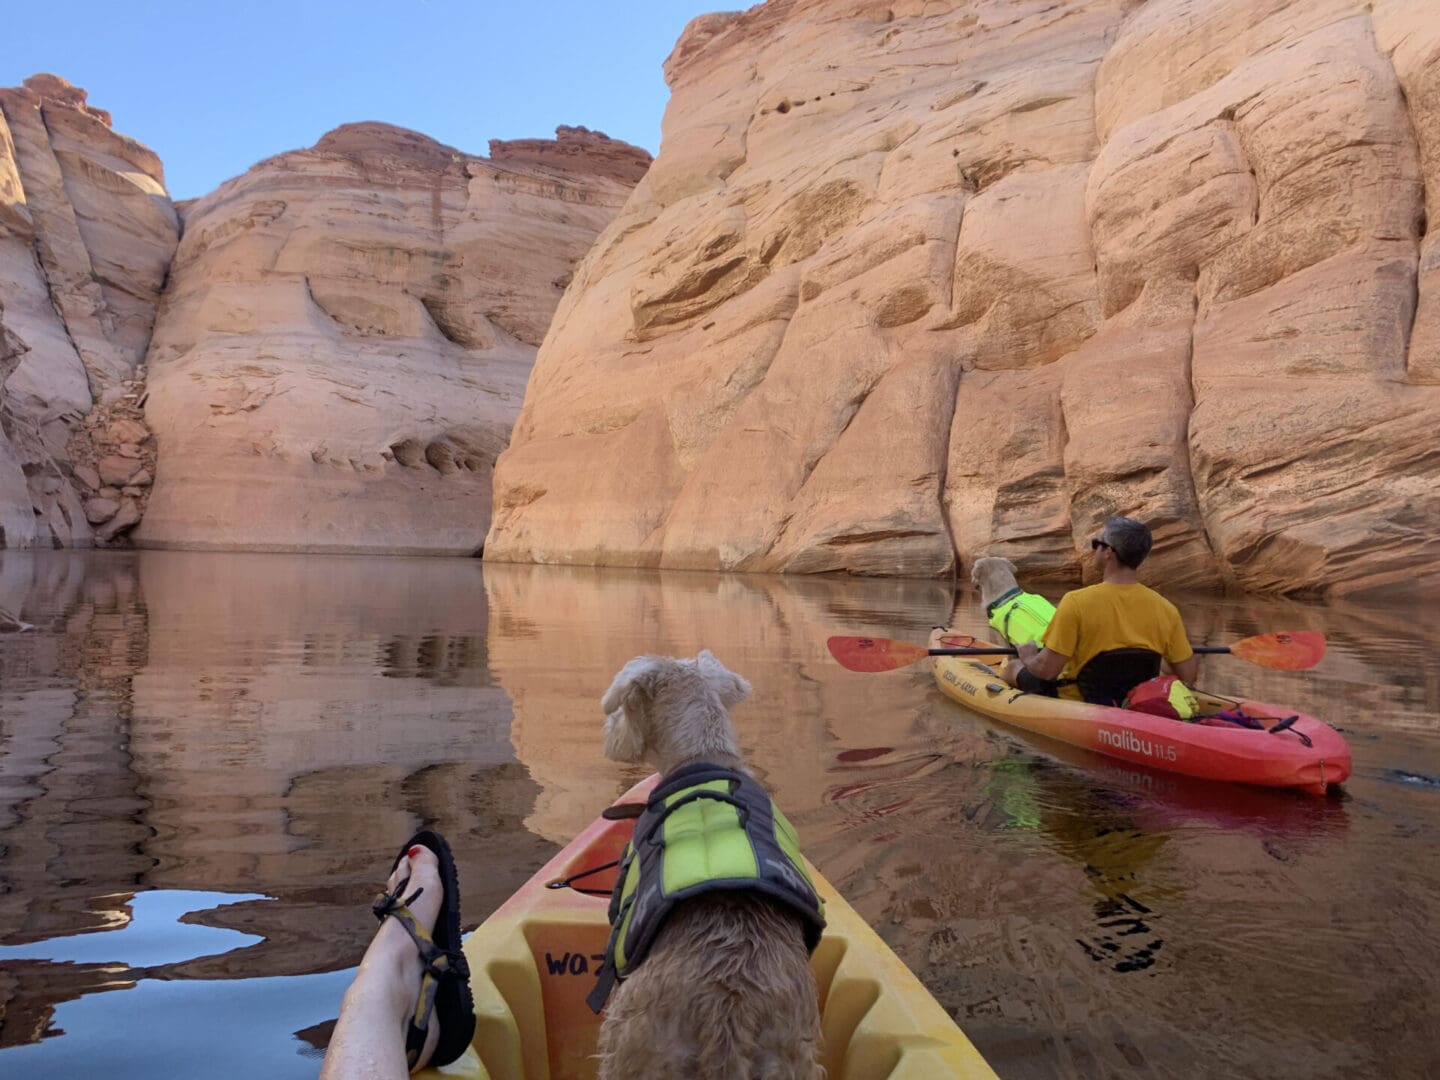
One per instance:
(206, 762)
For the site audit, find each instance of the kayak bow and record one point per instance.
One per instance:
(533, 962)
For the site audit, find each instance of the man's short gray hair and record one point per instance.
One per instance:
(1129, 539)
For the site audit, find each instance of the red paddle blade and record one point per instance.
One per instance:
(1287, 650)
(874, 654)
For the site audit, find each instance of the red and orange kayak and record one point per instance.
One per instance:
(1307, 753)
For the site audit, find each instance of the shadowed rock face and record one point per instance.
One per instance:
(918, 281)
(347, 332)
(86, 236)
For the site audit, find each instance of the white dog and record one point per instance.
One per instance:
(719, 985)
(1017, 615)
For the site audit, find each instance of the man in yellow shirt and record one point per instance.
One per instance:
(1133, 626)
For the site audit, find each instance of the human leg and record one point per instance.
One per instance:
(388, 993)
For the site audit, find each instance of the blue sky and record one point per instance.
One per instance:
(213, 86)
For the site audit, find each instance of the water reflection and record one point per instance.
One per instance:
(577, 627)
(146, 930)
(241, 725)
(206, 761)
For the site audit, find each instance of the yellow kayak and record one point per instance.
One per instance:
(533, 962)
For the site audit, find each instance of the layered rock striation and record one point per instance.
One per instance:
(343, 344)
(917, 281)
(87, 232)
(347, 332)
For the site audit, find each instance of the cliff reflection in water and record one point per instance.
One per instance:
(206, 762)
(558, 635)
(239, 724)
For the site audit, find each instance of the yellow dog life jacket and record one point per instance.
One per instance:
(1020, 616)
(704, 829)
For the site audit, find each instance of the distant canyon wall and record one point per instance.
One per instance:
(330, 359)
(917, 280)
(86, 237)
(345, 340)
(909, 283)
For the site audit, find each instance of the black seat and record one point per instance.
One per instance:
(1109, 676)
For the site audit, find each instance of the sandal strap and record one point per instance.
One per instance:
(438, 963)
(385, 903)
(419, 1025)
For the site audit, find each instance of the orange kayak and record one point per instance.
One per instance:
(533, 962)
(1305, 753)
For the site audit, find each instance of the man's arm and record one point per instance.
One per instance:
(1187, 670)
(1044, 664)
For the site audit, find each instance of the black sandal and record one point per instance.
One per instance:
(445, 980)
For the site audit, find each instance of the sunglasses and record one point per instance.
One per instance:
(1096, 545)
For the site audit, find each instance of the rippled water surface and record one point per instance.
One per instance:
(207, 762)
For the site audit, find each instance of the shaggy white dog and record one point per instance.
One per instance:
(994, 577)
(726, 991)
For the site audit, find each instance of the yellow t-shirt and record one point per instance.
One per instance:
(1107, 616)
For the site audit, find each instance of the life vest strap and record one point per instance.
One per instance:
(605, 979)
(990, 607)
(741, 810)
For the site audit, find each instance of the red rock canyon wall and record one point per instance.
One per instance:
(339, 351)
(86, 236)
(910, 282)
(918, 279)
(344, 342)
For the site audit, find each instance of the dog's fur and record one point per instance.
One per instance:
(726, 992)
(994, 577)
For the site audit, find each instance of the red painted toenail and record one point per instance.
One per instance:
(414, 851)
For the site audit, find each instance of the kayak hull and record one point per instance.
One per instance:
(533, 963)
(1231, 753)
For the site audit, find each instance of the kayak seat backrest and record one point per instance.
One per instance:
(1112, 674)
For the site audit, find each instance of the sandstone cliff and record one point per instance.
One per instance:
(919, 279)
(343, 344)
(345, 338)
(86, 236)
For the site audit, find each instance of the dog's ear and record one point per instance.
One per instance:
(623, 742)
(638, 676)
(624, 706)
(731, 687)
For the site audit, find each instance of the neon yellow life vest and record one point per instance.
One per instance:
(1021, 616)
(704, 829)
